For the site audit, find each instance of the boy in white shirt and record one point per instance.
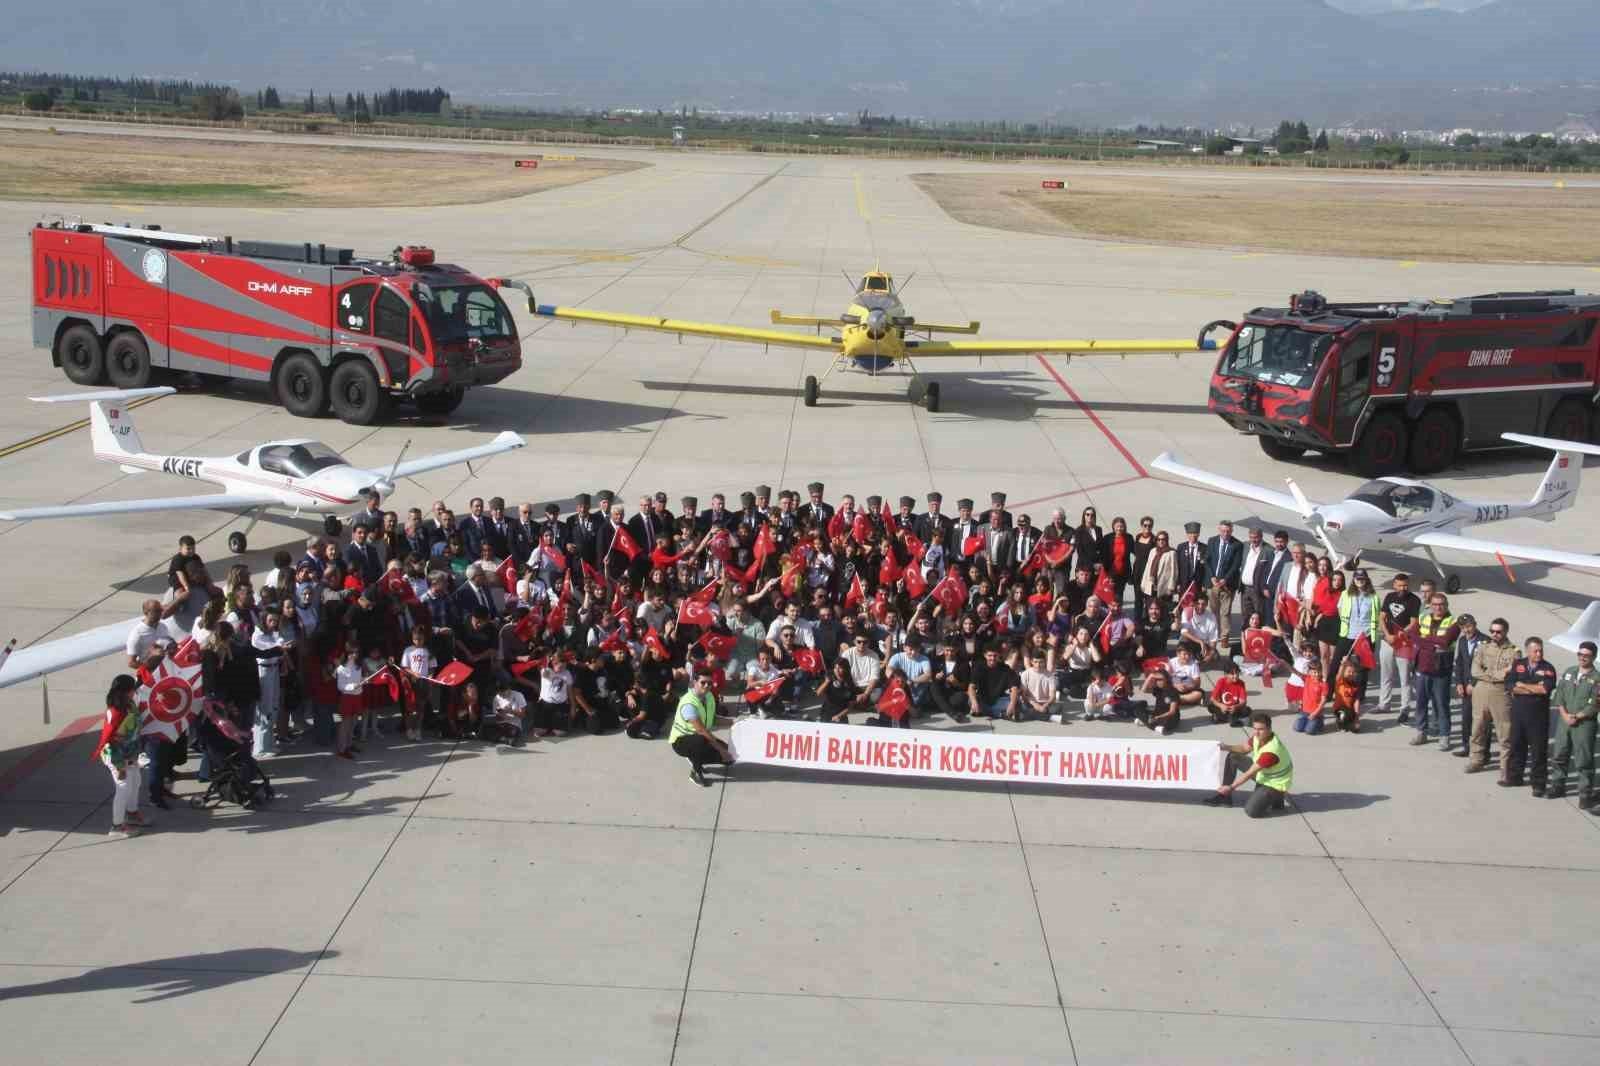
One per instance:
(555, 689)
(418, 661)
(1100, 696)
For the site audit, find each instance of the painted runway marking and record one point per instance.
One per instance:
(52, 434)
(36, 759)
(1086, 409)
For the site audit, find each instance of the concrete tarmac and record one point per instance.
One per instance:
(580, 901)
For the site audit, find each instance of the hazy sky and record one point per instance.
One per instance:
(1366, 6)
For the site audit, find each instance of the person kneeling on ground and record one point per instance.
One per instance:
(1347, 696)
(1227, 702)
(691, 734)
(1261, 757)
(1162, 713)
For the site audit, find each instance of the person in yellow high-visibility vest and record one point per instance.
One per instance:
(691, 734)
(1262, 758)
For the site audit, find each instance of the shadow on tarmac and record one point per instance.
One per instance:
(180, 975)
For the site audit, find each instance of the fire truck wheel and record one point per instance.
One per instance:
(1382, 447)
(1434, 441)
(356, 395)
(302, 388)
(82, 358)
(128, 361)
(1569, 421)
(1280, 450)
(438, 404)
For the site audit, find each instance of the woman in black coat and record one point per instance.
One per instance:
(1086, 541)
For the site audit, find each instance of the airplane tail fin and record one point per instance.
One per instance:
(1558, 490)
(111, 428)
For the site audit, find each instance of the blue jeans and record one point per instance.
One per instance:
(999, 707)
(1433, 694)
(1306, 723)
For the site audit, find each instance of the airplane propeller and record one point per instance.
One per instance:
(1316, 519)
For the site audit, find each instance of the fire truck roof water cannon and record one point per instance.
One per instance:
(1407, 385)
(326, 329)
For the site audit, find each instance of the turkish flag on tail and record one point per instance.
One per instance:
(1362, 650)
(693, 612)
(623, 541)
(855, 594)
(808, 659)
(895, 703)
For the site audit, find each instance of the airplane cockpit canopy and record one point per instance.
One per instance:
(1399, 501)
(298, 460)
(876, 283)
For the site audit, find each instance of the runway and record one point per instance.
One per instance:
(440, 904)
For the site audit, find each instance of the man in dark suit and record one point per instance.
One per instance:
(816, 512)
(717, 515)
(786, 519)
(475, 592)
(524, 533)
(1268, 578)
(582, 533)
(965, 526)
(690, 511)
(361, 556)
(747, 511)
(552, 524)
(997, 503)
(906, 517)
(1257, 559)
(999, 545)
(1192, 561)
(925, 524)
(497, 528)
(1225, 557)
(1027, 538)
(416, 535)
(474, 528)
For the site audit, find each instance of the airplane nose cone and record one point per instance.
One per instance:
(383, 488)
(877, 324)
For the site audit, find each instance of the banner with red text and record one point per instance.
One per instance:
(1043, 760)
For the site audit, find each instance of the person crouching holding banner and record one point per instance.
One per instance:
(1261, 757)
(692, 724)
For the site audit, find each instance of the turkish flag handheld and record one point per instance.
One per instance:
(397, 586)
(861, 529)
(836, 525)
(886, 514)
(855, 594)
(555, 557)
(1289, 610)
(1105, 590)
(454, 674)
(556, 620)
(719, 546)
(615, 641)
(719, 645)
(528, 627)
(624, 542)
(693, 612)
(592, 574)
(808, 659)
(661, 559)
(895, 703)
(1186, 601)
(972, 545)
(758, 693)
(915, 549)
(652, 640)
(764, 545)
(891, 569)
(1034, 561)
(1055, 552)
(707, 594)
(916, 584)
(951, 594)
(1257, 645)
(508, 576)
(1405, 645)
(1362, 650)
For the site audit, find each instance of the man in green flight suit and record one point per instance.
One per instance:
(1263, 758)
(691, 734)
(1574, 701)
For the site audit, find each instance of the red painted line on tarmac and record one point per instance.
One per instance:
(36, 759)
(1076, 492)
(1086, 409)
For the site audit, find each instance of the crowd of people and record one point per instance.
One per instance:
(504, 624)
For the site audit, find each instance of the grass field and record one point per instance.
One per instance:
(77, 168)
(1374, 218)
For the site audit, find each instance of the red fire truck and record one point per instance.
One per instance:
(1408, 385)
(324, 328)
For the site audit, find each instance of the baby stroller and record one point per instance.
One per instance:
(236, 777)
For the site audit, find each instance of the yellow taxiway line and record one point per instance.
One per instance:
(61, 431)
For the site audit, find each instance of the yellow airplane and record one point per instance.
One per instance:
(874, 334)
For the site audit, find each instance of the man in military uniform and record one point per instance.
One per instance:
(965, 526)
(906, 519)
(690, 513)
(1491, 703)
(1575, 706)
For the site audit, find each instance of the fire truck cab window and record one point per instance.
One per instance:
(1399, 501)
(392, 317)
(355, 308)
(464, 312)
(1278, 355)
(298, 460)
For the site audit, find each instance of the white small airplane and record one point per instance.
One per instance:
(298, 475)
(1398, 513)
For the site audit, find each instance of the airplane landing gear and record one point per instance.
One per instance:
(237, 543)
(1452, 584)
(332, 526)
(812, 390)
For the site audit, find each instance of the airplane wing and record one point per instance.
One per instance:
(1166, 463)
(715, 330)
(25, 664)
(217, 501)
(505, 442)
(940, 349)
(1515, 551)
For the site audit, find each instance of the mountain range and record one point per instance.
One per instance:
(1515, 63)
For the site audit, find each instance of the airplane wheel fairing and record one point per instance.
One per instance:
(931, 397)
(237, 543)
(356, 396)
(302, 387)
(1280, 450)
(82, 358)
(1569, 421)
(873, 363)
(128, 361)
(812, 391)
(441, 403)
(1452, 584)
(331, 526)
(1382, 447)
(1434, 441)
